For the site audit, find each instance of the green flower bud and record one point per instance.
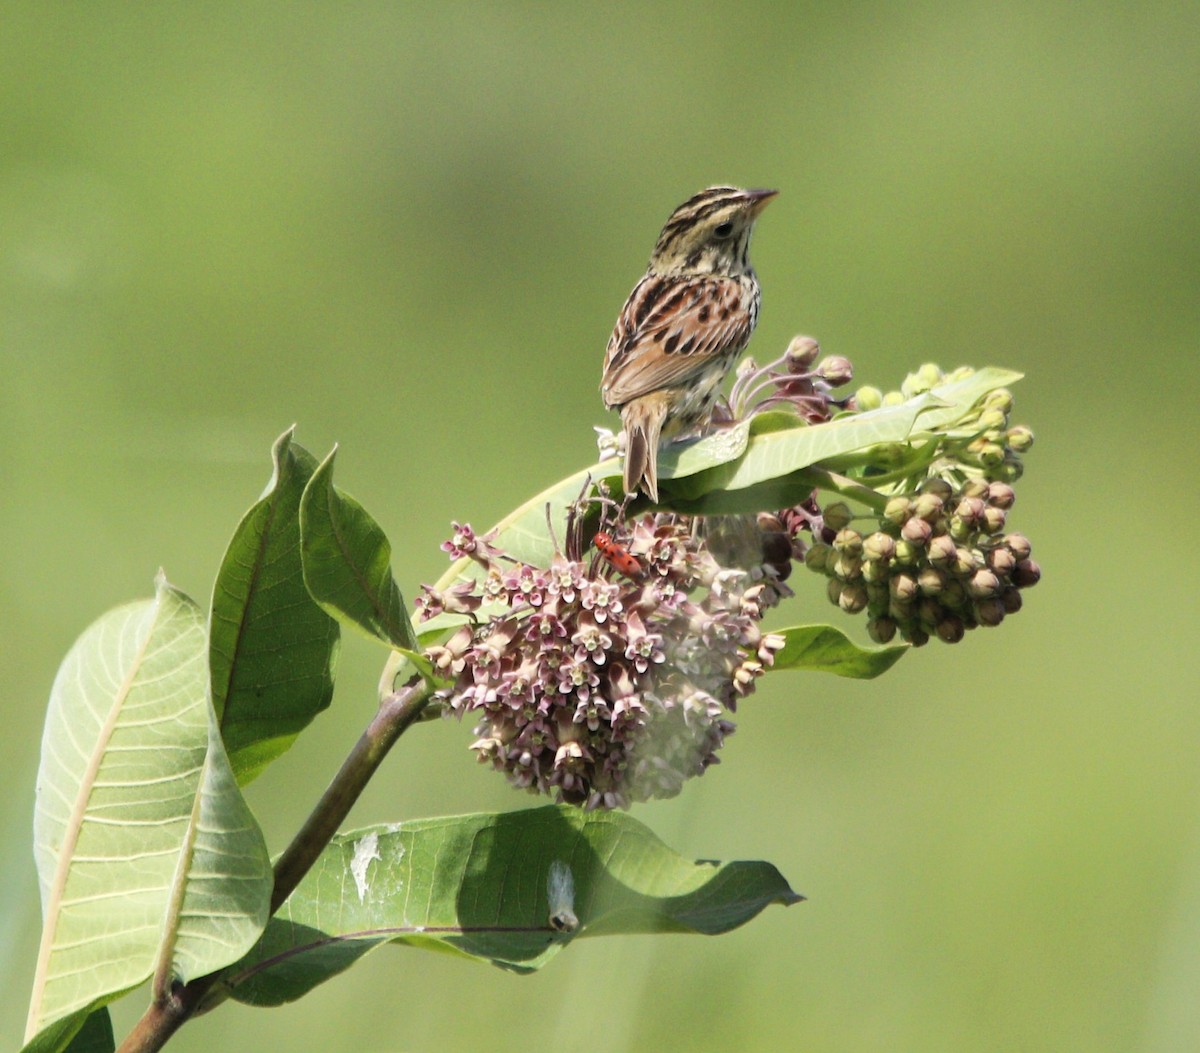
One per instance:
(912, 385)
(837, 515)
(907, 553)
(930, 373)
(916, 532)
(897, 510)
(868, 398)
(879, 546)
(929, 613)
(954, 595)
(846, 567)
(993, 420)
(836, 370)
(902, 612)
(848, 542)
(928, 376)
(970, 509)
(1018, 545)
(852, 599)
(1001, 495)
(990, 454)
(975, 488)
(1009, 470)
(881, 630)
(928, 507)
(833, 589)
(903, 587)
(1001, 561)
(931, 581)
(1000, 399)
(993, 520)
(941, 550)
(983, 584)
(801, 353)
(875, 570)
(960, 373)
(893, 398)
(1019, 438)
(938, 488)
(819, 558)
(877, 598)
(1026, 574)
(964, 564)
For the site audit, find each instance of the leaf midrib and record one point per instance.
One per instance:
(70, 840)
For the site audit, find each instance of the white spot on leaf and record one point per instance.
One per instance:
(366, 849)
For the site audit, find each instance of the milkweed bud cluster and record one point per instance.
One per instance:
(983, 440)
(941, 562)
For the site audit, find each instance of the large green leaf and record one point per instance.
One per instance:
(510, 889)
(149, 861)
(776, 453)
(823, 648)
(766, 455)
(271, 646)
(347, 562)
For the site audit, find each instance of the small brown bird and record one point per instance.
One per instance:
(683, 325)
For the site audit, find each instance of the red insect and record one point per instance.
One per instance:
(618, 556)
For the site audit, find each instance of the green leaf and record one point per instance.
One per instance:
(347, 562)
(84, 1031)
(510, 889)
(149, 861)
(829, 650)
(777, 453)
(271, 646)
(766, 455)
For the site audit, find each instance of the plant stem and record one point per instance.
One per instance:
(396, 713)
(843, 486)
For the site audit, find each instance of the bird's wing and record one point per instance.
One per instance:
(669, 329)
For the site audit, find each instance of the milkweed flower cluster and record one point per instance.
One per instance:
(599, 685)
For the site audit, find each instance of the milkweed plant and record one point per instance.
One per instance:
(598, 647)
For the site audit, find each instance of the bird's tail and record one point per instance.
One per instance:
(643, 419)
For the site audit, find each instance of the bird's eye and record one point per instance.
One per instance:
(722, 230)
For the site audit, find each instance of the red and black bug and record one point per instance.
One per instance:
(618, 556)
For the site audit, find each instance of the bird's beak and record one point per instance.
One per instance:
(756, 200)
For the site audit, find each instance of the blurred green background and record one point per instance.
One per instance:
(409, 229)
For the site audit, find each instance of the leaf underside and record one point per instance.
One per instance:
(823, 648)
(149, 861)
